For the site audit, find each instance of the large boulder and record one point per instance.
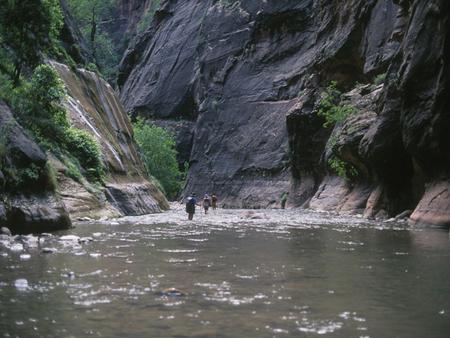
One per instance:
(28, 201)
(434, 206)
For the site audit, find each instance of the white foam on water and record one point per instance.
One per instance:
(21, 284)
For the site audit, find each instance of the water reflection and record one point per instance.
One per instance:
(235, 274)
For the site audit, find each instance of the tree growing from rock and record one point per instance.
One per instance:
(28, 28)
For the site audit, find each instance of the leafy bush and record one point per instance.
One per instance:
(342, 169)
(330, 106)
(87, 151)
(379, 79)
(157, 148)
(39, 104)
(40, 107)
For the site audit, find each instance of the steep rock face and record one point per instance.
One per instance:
(33, 206)
(416, 104)
(237, 70)
(249, 75)
(94, 106)
(72, 39)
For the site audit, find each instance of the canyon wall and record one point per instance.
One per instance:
(247, 78)
(94, 106)
(38, 193)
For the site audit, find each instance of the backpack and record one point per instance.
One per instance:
(190, 204)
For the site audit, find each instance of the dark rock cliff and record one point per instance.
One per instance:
(28, 200)
(248, 76)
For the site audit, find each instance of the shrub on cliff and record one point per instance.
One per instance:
(39, 104)
(87, 151)
(157, 148)
(331, 108)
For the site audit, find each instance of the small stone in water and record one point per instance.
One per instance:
(172, 292)
(85, 239)
(70, 238)
(70, 274)
(25, 257)
(17, 247)
(48, 250)
(21, 284)
(5, 231)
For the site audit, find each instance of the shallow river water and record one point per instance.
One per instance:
(261, 273)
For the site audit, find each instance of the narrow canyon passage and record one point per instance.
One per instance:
(231, 273)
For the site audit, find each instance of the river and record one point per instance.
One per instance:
(237, 273)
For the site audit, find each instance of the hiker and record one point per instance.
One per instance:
(206, 203)
(214, 201)
(191, 201)
(284, 197)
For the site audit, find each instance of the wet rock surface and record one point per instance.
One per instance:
(27, 204)
(94, 106)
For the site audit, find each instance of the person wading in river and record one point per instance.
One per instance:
(206, 203)
(284, 197)
(214, 201)
(191, 201)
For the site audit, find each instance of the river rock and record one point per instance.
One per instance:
(21, 284)
(434, 206)
(48, 250)
(16, 247)
(69, 238)
(25, 257)
(5, 231)
(172, 292)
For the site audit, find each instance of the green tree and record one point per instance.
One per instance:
(160, 157)
(147, 18)
(92, 16)
(27, 29)
(39, 104)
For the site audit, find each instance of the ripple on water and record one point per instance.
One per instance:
(319, 326)
(179, 260)
(179, 250)
(21, 284)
